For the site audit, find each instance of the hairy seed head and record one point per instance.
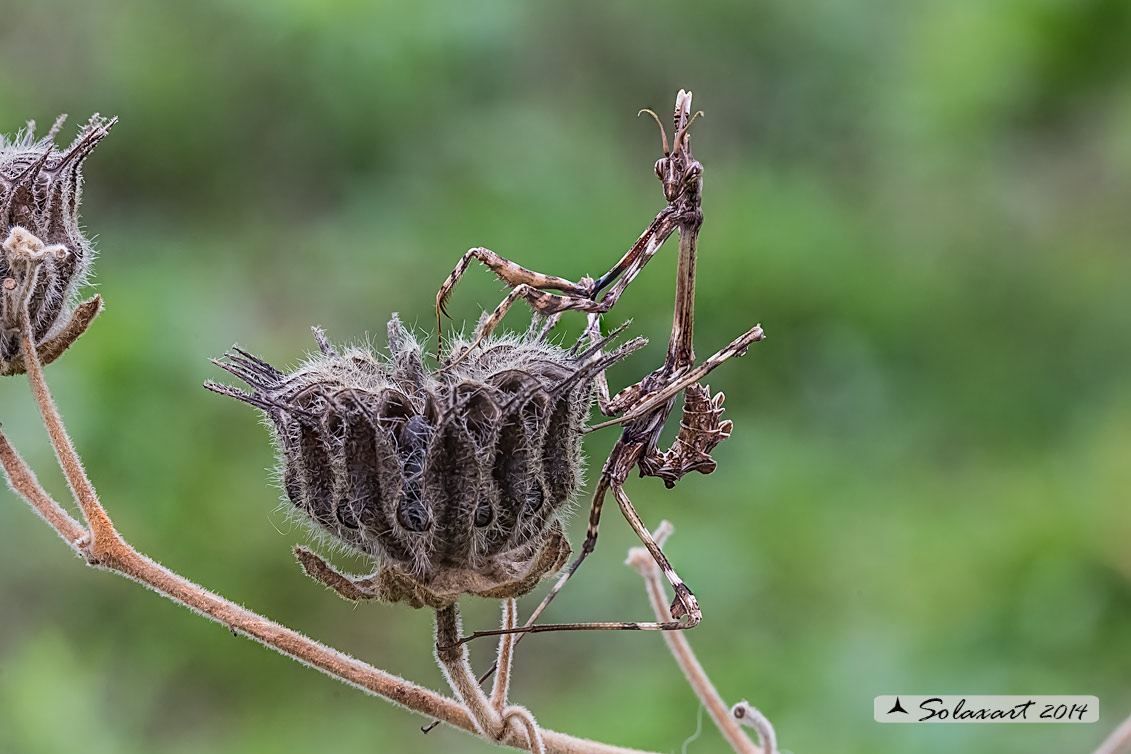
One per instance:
(455, 480)
(46, 258)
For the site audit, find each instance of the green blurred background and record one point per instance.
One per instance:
(926, 204)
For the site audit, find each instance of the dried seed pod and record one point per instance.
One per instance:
(455, 480)
(40, 189)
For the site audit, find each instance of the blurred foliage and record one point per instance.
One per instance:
(925, 203)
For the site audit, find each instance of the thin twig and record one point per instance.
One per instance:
(514, 715)
(642, 561)
(505, 724)
(750, 716)
(501, 687)
(1118, 741)
(21, 479)
(507, 643)
(102, 531)
(454, 662)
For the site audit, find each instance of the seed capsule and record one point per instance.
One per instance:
(454, 480)
(40, 190)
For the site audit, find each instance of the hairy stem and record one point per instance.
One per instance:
(642, 561)
(21, 479)
(453, 660)
(102, 532)
(494, 719)
(501, 687)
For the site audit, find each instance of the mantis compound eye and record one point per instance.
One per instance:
(692, 175)
(661, 167)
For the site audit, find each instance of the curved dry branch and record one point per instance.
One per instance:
(102, 547)
(22, 481)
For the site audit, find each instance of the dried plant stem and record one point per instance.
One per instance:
(521, 716)
(507, 643)
(104, 548)
(501, 687)
(102, 534)
(642, 561)
(751, 717)
(502, 723)
(454, 662)
(23, 482)
(1119, 740)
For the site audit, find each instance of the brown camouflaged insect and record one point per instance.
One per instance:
(642, 408)
(455, 478)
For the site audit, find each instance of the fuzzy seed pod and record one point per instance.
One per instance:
(46, 258)
(454, 480)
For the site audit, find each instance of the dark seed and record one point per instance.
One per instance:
(412, 444)
(484, 514)
(413, 516)
(347, 517)
(559, 453)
